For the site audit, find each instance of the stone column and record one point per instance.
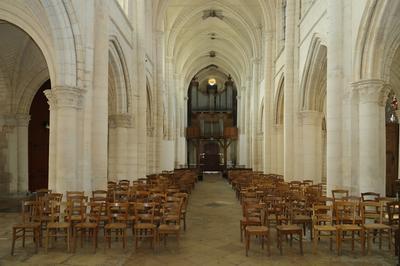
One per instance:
(255, 117)
(398, 120)
(334, 96)
(99, 126)
(312, 141)
(22, 131)
(141, 84)
(160, 87)
(268, 103)
(289, 120)
(372, 151)
(118, 165)
(248, 121)
(63, 161)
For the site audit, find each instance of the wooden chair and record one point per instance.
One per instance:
(76, 209)
(28, 227)
(393, 212)
(171, 220)
(338, 194)
(370, 196)
(262, 230)
(89, 223)
(251, 220)
(301, 214)
(346, 213)
(54, 225)
(43, 192)
(285, 227)
(185, 198)
(117, 222)
(145, 226)
(373, 211)
(323, 223)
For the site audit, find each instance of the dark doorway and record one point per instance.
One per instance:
(38, 139)
(392, 157)
(210, 159)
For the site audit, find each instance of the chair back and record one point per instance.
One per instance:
(338, 194)
(144, 211)
(29, 211)
(345, 211)
(372, 210)
(117, 211)
(322, 214)
(370, 196)
(393, 211)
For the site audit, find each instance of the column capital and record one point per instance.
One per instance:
(64, 96)
(372, 91)
(397, 112)
(120, 120)
(23, 119)
(310, 117)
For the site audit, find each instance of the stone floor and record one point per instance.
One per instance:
(212, 238)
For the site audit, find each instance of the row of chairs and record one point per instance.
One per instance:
(154, 216)
(293, 207)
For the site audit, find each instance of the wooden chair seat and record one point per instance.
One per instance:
(168, 228)
(58, 225)
(348, 227)
(145, 226)
(376, 226)
(86, 225)
(115, 226)
(256, 229)
(289, 227)
(26, 225)
(325, 227)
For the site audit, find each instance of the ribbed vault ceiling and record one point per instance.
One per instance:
(231, 29)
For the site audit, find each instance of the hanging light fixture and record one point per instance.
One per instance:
(229, 83)
(194, 84)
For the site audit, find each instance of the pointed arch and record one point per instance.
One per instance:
(377, 41)
(119, 84)
(279, 101)
(313, 84)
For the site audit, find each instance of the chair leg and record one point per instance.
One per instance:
(268, 245)
(68, 239)
(247, 237)
(315, 243)
(13, 242)
(301, 243)
(23, 237)
(47, 240)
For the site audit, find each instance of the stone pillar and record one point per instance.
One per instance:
(268, 103)
(22, 131)
(289, 120)
(398, 120)
(248, 121)
(141, 84)
(334, 95)
(65, 103)
(312, 145)
(255, 117)
(372, 150)
(118, 153)
(99, 127)
(160, 87)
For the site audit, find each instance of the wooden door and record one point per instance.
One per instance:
(211, 159)
(392, 157)
(38, 140)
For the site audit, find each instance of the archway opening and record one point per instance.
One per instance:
(38, 143)
(24, 112)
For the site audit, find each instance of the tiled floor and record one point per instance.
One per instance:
(212, 238)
